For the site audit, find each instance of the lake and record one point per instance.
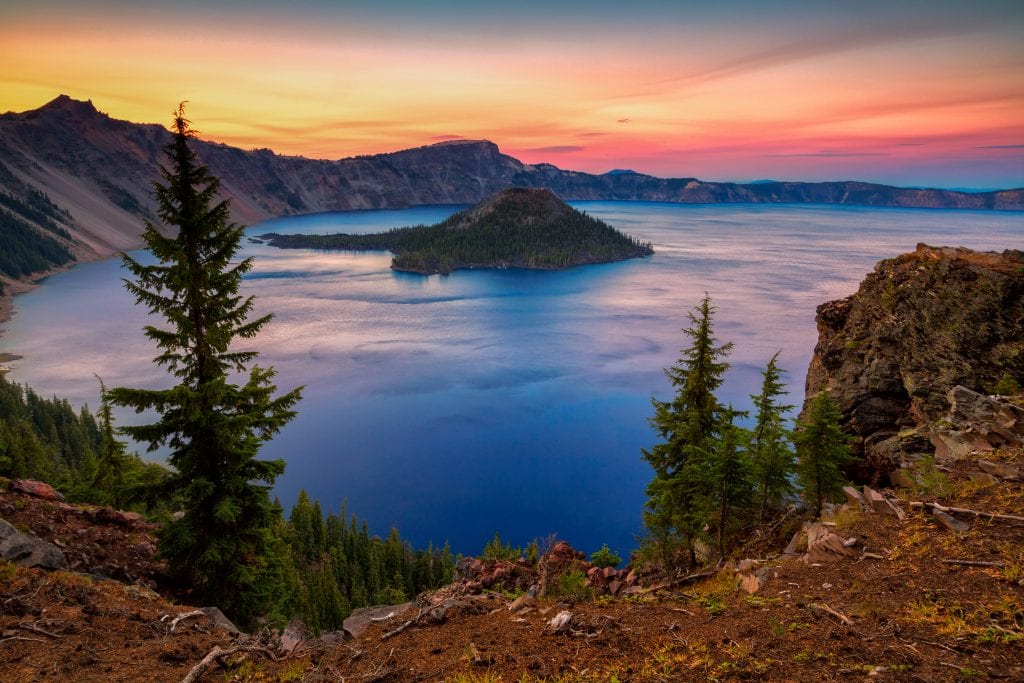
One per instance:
(506, 400)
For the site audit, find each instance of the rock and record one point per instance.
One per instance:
(950, 522)
(436, 615)
(983, 478)
(903, 479)
(108, 515)
(920, 326)
(615, 587)
(633, 590)
(218, 620)
(827, 548)
(999, 469)
(854, 496)
(178, 516)
(293, 634)
(560, 622)
(28, 551)
(527, 599)
(35, 488)
(360, 619)
(998, 421)
(750, 583)
(631, 578)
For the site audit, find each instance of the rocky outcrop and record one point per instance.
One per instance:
(910, 356)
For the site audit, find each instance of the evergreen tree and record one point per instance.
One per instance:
(113, 461)
(213, 426)
(771, 452)
(731, 491)
(689, 424)
(822, 448)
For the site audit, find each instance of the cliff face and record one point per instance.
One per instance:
(101, 170)
(919, 326)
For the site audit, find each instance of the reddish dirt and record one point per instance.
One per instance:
(908, 616)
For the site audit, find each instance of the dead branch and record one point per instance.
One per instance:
(965, 511)
(34, 640)
(839, 615)
(404, 626)
(216, 653)
(975, 563)
(182, 617)
(35, 629)
(678, 582)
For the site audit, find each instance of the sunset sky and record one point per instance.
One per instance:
(902, 92)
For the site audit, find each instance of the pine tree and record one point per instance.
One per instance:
(213, 426)
(771, 452)
(731, 490)
(113, 461)
(822, 448)
(689, 425)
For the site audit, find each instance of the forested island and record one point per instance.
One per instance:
(515, 228)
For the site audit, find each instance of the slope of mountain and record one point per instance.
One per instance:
(100, 171)
(515, 228)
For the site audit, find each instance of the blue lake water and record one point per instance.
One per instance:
(510, 401)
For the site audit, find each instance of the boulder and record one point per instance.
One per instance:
(29, 551)
(218, 620)
(361, 619)
(39, 489)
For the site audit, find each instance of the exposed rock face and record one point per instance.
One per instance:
(920, 325)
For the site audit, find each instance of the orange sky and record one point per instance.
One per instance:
(726, 94)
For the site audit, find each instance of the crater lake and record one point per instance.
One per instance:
(508, 401)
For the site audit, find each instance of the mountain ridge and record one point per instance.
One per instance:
(99, 171)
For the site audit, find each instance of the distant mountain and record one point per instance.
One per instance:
(516, 228)
(96, 173)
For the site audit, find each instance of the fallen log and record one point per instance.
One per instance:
(975, 563)
(964, 511)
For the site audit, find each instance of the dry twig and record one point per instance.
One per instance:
(839, 615)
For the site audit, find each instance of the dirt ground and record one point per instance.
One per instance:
(895, 610)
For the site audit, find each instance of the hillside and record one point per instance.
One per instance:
(921, 325)
(515, 228)
(97, 173)
(908, 600)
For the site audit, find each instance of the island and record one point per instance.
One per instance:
(515, 228)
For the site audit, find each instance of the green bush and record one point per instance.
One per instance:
(1006, 386)
(605, 557)
(573, 585)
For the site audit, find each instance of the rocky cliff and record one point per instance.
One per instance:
(911, 356)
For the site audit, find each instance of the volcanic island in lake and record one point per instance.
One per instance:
(515, 228)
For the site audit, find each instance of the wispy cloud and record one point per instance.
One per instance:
(825, 153)
(445, 138)
(1000, 147)
(556, 149)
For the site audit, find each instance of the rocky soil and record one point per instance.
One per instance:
(921, 325)
(865, 593)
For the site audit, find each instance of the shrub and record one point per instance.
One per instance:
(573, 585)
(605, 557)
